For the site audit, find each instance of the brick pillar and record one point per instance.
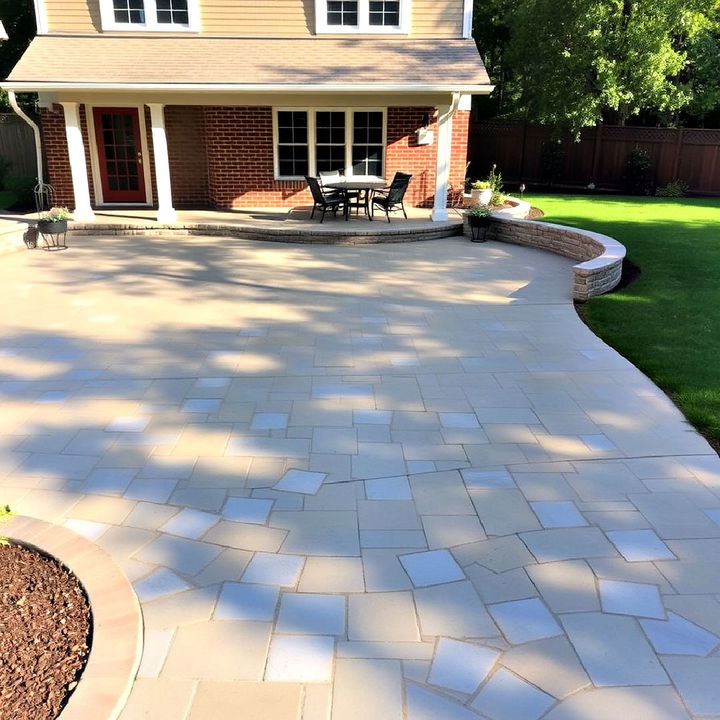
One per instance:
(52, 125)
(458, 158)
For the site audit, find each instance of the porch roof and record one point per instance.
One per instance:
(55, 62)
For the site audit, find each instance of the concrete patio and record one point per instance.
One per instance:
(390, 482)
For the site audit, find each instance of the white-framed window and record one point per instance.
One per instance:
(158, 15)
(308, 141)
(362, 16)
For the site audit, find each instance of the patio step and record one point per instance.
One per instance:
(376, 232)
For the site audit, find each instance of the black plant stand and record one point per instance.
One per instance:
(478, 229)
(54, 241)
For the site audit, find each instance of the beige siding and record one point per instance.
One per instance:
(430, 18)
(255, 17)
(437, 18)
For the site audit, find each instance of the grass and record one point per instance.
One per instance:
(667, 322)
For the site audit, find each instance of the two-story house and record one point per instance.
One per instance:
(230, 103)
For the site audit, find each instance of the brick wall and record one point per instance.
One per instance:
(185, 126)
(458, 159)
(52, 124)
(223, 156)
(405, 155)
(240, 160)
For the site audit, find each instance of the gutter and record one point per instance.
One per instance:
(36, 130)
(39, 86)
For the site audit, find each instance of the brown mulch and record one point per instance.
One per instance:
(45, 630)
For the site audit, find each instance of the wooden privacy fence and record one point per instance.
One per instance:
(17, 146)
(692, 155)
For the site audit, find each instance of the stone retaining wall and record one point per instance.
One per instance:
(601, 256)
(312, 234)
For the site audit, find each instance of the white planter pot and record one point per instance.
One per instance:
(481, 197)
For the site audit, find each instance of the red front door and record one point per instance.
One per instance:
(120, 155)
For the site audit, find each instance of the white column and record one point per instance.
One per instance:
(166, 211)
(442, 167)
(78, 168)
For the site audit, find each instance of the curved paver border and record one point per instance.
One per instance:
(312, 234)
(105, 684)
(602, 256)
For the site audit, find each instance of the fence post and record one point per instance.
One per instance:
(676, 159)
(596, 152)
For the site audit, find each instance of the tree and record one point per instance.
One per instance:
(573, 63)
(18, 17)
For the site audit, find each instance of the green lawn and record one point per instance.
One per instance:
(667, 322)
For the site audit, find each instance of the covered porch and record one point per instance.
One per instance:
(245, 133)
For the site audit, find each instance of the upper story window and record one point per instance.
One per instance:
(362, 16)
(155, 15)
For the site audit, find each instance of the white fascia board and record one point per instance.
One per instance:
(20, 86)
(467, 19)
(40, 17)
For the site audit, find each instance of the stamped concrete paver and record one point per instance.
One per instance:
(390, 481)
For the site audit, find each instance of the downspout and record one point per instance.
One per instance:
(454, 104)
(36, 130)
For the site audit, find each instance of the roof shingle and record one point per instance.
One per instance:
(222, 61)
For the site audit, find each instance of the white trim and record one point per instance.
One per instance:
(467, 19)
(107, 18)
(363, 27)
(443, 159)
(41, 22)
(95, 160)
(36, 134)
(465, 102)
(40, 86)
(166, 211)
(311, 111)
(76, 152)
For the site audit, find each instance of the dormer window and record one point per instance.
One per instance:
(362, 16)
(155, 15)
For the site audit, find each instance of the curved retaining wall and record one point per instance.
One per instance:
(601, 256)
(313, 234)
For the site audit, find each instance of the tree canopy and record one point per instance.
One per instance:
(18, 17)
(572, 63)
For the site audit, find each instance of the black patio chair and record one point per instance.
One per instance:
(391, 199)
(320, 200)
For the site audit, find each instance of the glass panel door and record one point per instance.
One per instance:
(120, 155)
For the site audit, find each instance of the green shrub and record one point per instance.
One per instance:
(481, 185)
(675, 189)
(494, 180)
(24, 188)
(635, 173)
(497, 199)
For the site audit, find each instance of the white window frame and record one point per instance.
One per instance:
(363, 27)
(107, 17)
(312, 159)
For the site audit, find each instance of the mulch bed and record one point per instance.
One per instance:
(45, 627)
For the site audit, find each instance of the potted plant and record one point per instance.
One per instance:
(54, 222)
(481, 192)
(479, 218)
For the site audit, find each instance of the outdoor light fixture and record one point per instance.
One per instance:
(425, 136)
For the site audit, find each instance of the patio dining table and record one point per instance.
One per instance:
(362, 184)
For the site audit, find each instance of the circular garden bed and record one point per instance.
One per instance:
(45, 634)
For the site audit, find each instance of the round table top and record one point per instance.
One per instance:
(357, 184)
